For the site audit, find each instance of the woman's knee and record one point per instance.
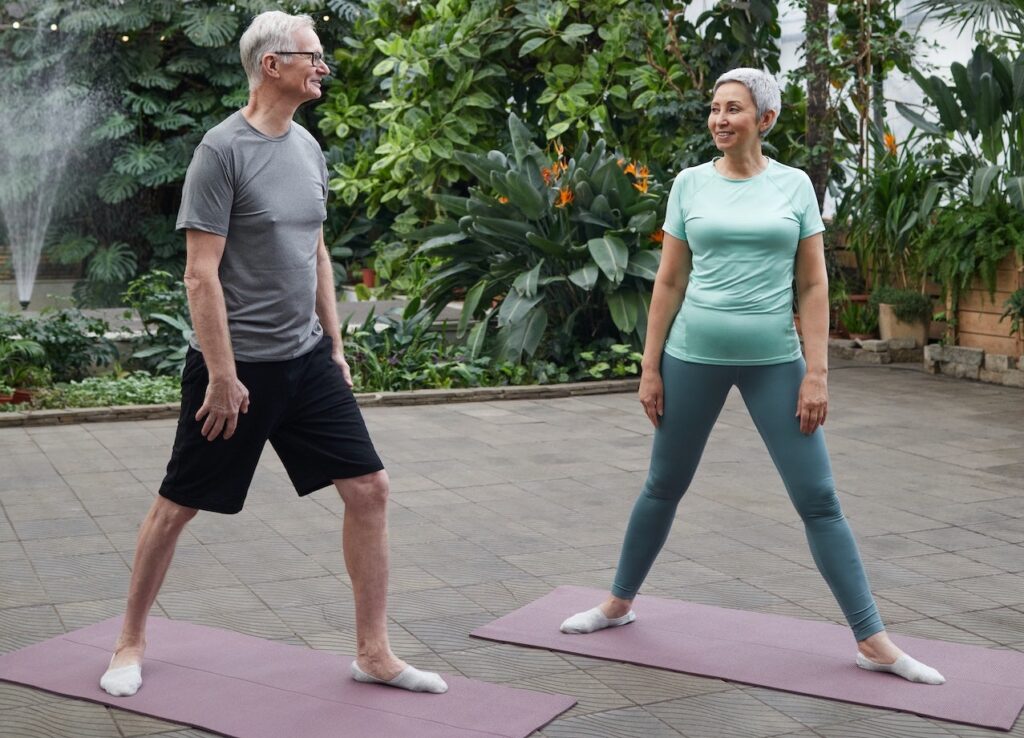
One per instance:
(369, 491)
(820, 503)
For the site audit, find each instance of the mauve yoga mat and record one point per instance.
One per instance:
(983, 687)
(247, 687)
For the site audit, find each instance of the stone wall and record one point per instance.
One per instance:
(875, 351)
(974, 363)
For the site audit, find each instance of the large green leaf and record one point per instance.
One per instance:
(919, 121)
(522, 140)
(644, 264)
(475, 342)
(643, 314)
(523, 336)
(523, 195)
(982, 181)
(1015, 191)
(611, 255)
(469, 306)
(526, 282)
(988, 111)
(623, 306)
(210, 26)
(549, 247)
(515, 307)
(586, 276)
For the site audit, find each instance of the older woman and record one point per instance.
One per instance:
(721, 315)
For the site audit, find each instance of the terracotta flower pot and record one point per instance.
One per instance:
(369, 277)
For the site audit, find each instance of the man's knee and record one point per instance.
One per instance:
(368, 492)
(169, 515)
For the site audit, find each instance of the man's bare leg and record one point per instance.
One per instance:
(158, 537)
(365, 547)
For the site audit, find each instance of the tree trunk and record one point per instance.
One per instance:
(819, 128)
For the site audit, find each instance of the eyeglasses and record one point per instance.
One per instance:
(315, 57)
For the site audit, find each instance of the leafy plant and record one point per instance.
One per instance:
(137, 388)
(859, 318)
(969, 241)
(886, 212)
(907, 305)
(547, 247)
(609, 360)
(72, 343)
(1014, 310)
(20, 361)
(160, 300)
(983, 111)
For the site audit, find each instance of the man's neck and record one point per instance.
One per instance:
(269, 114)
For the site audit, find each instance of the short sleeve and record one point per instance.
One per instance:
(675, 214)
(810, 217)
(326, 180)
(208, 194)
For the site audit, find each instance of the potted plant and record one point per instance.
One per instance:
(6, 394)
(902, 313)
(21, 365)
(859, 320)
(369, 274)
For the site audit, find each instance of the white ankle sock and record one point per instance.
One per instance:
(409, 678)
(124, 681)
(591, 620)
(909, 668)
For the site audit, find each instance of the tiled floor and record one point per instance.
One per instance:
(493, 504)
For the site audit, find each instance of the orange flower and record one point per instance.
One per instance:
(630, 168)
(503, 199)
(890, 143)
(641, 185)
(643, 173)
(619, 161)
(658, 236)
(561, 164)
(565, 197)
(547, 174)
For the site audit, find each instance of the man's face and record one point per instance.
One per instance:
(297, 74)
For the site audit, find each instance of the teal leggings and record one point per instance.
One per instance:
(694, 395)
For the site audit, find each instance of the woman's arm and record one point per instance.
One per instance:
(812, 293)
(669, 290)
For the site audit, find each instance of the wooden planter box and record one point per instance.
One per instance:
(978, 324)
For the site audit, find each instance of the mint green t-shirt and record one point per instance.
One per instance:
(743, 234)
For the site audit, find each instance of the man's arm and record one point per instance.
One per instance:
(225, 395)
(327, 306)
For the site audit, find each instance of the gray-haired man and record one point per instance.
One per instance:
(268, 363)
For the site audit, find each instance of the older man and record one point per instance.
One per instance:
(268, 362)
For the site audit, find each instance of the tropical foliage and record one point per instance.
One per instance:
(548, 245)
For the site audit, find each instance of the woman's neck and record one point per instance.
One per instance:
(742, 165)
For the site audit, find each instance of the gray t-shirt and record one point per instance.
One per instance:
(268, 197)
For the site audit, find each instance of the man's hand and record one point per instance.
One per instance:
(225, 398)
(812, 404)
(339, 359)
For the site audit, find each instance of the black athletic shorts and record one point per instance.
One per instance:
(302, 406)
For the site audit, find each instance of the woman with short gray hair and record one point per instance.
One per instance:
(737, 230)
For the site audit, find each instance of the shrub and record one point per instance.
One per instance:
(546, 247)
(908, 305)
(72, 343)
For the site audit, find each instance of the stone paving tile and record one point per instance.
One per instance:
(68, 718)
(632, 722)
(722, 715)
(591, 694)
(893, 725)
(1002, 625)
(132, 725)
(811, 711)
(23, 626)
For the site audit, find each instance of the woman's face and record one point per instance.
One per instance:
(733, 118)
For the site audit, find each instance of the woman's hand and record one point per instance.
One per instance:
(812, 404)
(652, 395)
